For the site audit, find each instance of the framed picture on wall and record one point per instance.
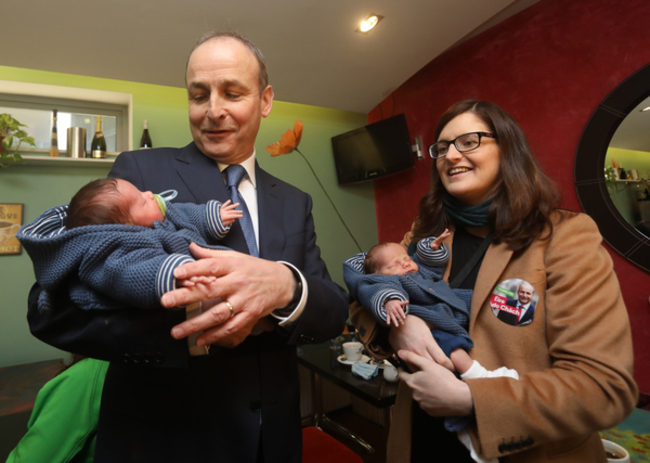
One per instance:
(11, 218)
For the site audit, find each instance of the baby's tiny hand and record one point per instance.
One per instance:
(395, 311)
(229, 213)
(435, 244)
(204, 280)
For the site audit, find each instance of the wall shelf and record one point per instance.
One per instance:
(35, 160)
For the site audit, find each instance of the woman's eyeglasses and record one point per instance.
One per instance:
(464, 143)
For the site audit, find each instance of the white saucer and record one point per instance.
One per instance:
(344, 361)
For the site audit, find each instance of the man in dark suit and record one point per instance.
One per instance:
(240, 402)
(524, 304)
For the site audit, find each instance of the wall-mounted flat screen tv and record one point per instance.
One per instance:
(373, 151)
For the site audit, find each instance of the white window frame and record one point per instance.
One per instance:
(72, 93)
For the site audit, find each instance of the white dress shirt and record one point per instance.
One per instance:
(248, 189)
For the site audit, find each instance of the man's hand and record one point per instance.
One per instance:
(252, 287)
(415, 335)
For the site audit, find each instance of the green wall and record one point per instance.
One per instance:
(639, 160)
(39, 188)
(625, 196)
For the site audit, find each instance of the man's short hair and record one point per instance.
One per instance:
(97, 203)
(263, 76)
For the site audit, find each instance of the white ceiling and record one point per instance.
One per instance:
(634, 132)
(314, 55)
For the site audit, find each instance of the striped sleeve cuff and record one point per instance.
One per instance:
(432, 257)
(380, 298)
(48, 224)
(216, 228)
(165, 280)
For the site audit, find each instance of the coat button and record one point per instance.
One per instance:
(256, 405)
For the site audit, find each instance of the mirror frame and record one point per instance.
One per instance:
(589, 178)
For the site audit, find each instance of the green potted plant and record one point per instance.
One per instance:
(11, 134)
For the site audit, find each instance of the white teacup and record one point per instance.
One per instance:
(352, 351)
(615, 453)
(390, 373)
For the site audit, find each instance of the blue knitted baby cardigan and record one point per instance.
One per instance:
(116, 266)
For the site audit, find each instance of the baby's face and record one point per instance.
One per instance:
(394, 260)
(143, 207)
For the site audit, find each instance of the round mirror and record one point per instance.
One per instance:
(627, 168)
(614, 202)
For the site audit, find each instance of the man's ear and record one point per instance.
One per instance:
(266, 101)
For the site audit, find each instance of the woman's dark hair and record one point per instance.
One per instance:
(97, 203)
(525, 196)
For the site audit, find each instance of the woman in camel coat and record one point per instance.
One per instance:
(574, 358)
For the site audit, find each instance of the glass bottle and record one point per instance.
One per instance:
(145, 141)
(54, 143)
(98, 145)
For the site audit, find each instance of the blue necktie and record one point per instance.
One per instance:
(234, 176)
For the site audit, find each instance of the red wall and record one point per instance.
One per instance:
(549, 66)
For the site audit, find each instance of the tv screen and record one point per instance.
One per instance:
(373, 151)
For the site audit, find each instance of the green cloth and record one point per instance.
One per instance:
(63, 424)
(161, 204)
(468, 216)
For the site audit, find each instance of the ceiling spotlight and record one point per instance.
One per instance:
(367, 24)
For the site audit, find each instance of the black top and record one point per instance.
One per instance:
(465, 245)
(430, 441)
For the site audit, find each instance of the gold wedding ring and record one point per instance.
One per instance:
(232, 309)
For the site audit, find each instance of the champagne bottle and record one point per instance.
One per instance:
(54, 145)
(145, 141)
(98, 145)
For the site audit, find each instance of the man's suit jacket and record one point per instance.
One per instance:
(574, 359)
(513, 319)
(159, 404)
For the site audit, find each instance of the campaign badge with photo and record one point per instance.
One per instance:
(513, 302)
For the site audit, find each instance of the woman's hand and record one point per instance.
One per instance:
(415, 335)
(435, 388)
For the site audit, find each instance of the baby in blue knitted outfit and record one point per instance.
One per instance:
(389, 283)
(117, 247)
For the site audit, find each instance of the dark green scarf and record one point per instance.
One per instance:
(468, 216)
